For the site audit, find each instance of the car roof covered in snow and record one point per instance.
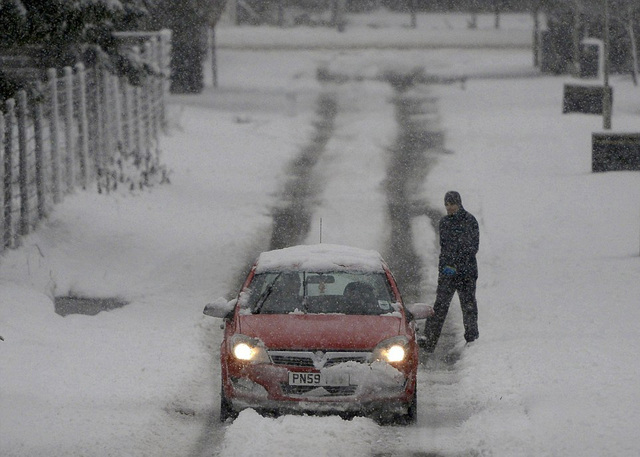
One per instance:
(320, 257)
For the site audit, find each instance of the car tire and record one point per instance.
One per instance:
(226, 410)
(412, 412)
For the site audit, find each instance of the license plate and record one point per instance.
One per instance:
(318, 379)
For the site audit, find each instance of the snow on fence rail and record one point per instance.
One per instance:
(80, 127)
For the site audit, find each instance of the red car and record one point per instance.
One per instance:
(319, 329)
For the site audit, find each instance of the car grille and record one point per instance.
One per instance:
(331, 390)
(317, 359)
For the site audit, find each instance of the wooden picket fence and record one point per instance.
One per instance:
(78, 128)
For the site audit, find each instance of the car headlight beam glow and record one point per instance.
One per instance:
(247, 349)
(395, 353)
(393, 350)
(242, 351)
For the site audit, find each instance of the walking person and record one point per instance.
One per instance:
(458, 271)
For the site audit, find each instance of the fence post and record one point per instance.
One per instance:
(137, 102)
(151, 51)
(165, 66)
(117, 93)
(83, 130)
(23, 168)
(2, 127)
(54, 125)
(156, 104)
(148, 104)
(128, 114)
(68, 129)
(107, 127)
(9, 233)
(99, 131)
(39, 152)
(137, 106)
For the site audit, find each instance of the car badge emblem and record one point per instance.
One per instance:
(319, 358)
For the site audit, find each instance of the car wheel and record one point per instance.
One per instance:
(412, 412)
(226, 410)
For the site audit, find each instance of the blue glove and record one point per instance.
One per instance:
(448, 271)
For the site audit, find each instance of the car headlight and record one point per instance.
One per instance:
(247, 349)
(392, 350)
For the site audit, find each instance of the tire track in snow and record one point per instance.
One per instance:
(417, 145)
(291, 223)
(420, 141)
(292, 215)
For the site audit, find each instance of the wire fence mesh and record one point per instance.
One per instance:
(81, 127)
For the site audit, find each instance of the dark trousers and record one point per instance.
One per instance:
(447, 286)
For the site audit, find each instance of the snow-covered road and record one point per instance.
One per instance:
(552, 373)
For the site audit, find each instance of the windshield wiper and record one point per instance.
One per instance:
(264, 295)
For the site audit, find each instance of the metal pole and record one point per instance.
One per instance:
(214, 61)
(606, 97)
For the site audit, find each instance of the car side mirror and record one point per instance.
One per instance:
(220, 307)
(420, 310)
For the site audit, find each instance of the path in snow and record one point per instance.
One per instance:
(392, 199)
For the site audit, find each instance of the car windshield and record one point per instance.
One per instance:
(319, 293)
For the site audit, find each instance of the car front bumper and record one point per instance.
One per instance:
(373, 389)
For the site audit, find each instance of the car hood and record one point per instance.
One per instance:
(320, 331)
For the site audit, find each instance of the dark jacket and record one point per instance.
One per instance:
(459, 241)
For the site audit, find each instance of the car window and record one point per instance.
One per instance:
(319, 293)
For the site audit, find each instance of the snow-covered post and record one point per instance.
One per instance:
(83, 125)
(106, 119)
(39, 153)
(149, 101)
(54, 125)
(23, 165)
(98, 151)
(127, 115)
(139, 122)
(137, 106)
(165, 66)
(9, 235)
(155, 120)
(68, 129)
(117, 100)
(2, 127)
